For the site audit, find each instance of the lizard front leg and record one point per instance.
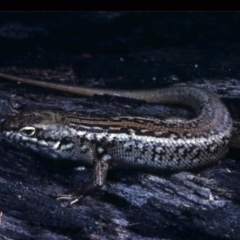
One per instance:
(101, 166)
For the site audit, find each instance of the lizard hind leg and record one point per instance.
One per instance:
(97, 180)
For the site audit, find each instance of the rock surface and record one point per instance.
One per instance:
(117, 50)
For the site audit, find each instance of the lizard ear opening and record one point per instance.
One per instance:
(29, 131)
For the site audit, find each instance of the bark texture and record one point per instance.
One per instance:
(117, 50)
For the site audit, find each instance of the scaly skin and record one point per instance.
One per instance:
(131, 142)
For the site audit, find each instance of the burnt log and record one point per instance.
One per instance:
(117, 50)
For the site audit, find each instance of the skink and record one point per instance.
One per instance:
(132, 142)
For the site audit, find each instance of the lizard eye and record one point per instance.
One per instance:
(28, 130)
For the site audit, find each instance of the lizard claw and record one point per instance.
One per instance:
(71, 198)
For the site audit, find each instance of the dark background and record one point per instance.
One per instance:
(130, 50)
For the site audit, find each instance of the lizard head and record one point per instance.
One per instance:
(40, 131)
